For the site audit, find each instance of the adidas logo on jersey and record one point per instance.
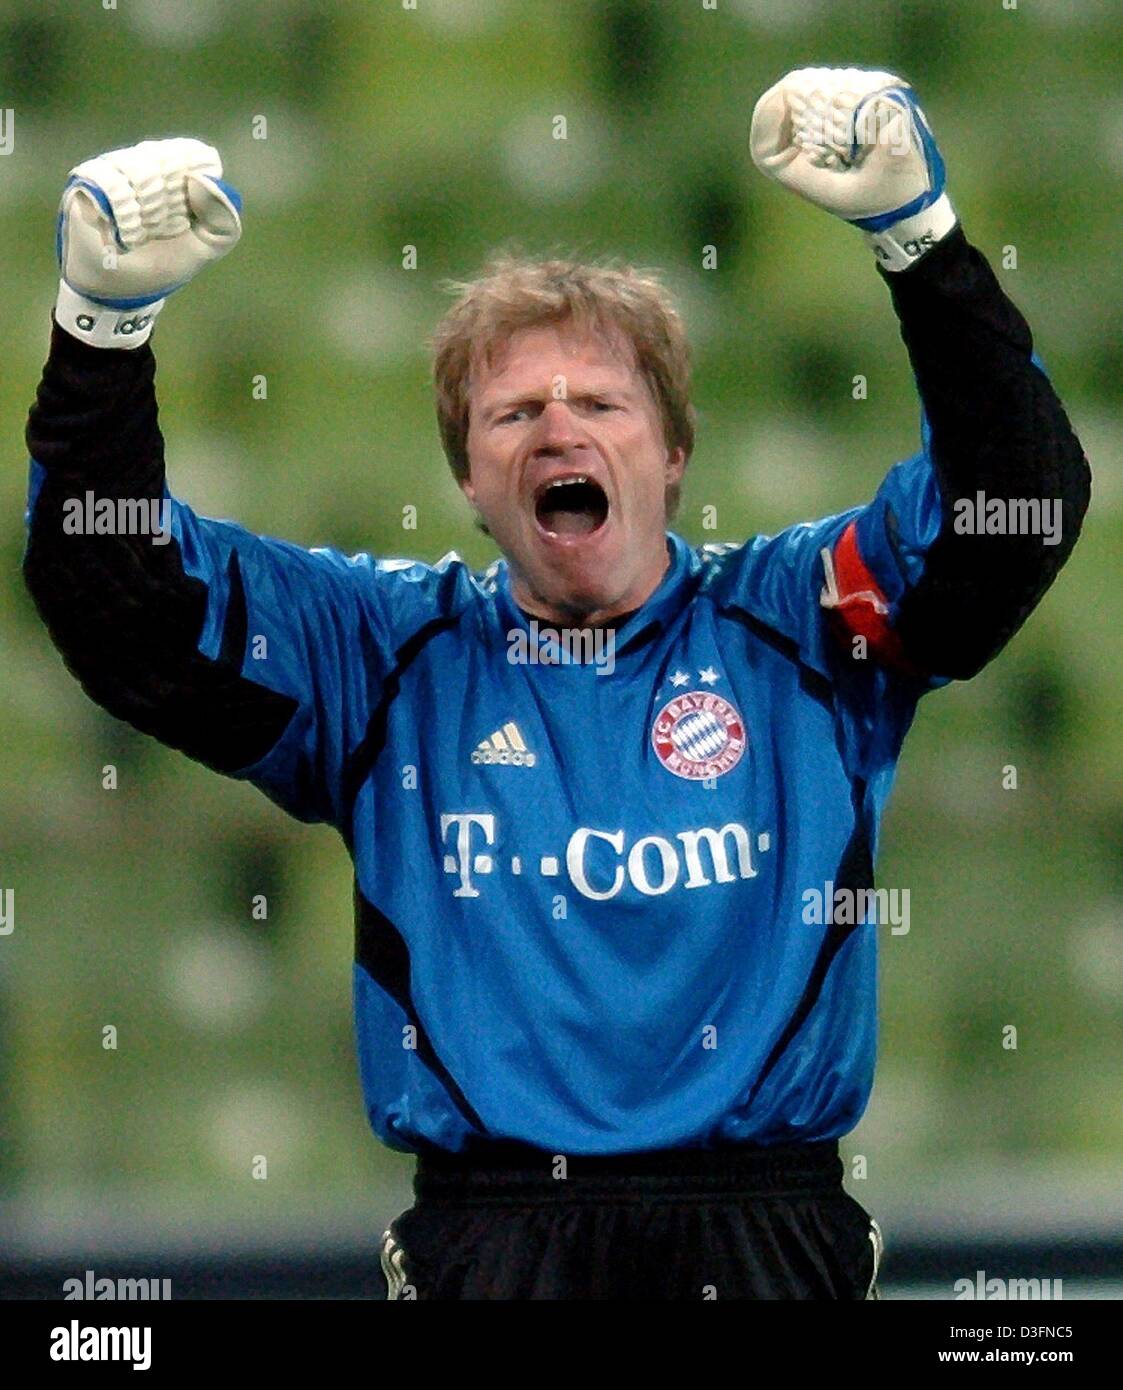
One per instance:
(506, 746)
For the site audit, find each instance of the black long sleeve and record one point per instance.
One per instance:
(997, 427)
(121, 610)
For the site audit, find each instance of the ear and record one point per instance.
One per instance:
(676, 464)
(465, 485)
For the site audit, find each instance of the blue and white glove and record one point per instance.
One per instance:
(857, 143)
(135, 225)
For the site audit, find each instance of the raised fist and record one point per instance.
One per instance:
(135, 225)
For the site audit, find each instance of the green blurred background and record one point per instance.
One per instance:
(431, 127)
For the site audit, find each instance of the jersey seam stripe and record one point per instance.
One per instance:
(390, 968)
(784, 646)
(855, 870)
(366, 754)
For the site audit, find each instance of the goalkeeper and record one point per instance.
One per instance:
(622, 1055)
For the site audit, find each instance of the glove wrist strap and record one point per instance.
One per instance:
(100, 325)
(907, 241)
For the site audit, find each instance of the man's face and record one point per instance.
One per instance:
(569, 470)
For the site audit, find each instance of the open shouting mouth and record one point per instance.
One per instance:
(570, 508)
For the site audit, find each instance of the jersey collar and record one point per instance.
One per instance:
(673, 592)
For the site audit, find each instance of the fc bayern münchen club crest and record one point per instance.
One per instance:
(698, 735)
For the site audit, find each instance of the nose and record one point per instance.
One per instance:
(557, 429)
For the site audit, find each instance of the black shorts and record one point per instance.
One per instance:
(517, 1223)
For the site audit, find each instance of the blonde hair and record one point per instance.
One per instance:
(514, 292)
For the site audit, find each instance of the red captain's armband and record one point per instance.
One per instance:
(857, 605)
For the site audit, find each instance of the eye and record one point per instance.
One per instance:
(510, 415)
(604, 405)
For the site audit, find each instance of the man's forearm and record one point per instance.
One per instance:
(94, 421)
(118, 605)
(999, 429)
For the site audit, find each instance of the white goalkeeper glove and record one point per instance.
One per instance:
(857, 144)
(133, 226)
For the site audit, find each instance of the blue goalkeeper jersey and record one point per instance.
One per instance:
(583, 891)
(597, 882)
